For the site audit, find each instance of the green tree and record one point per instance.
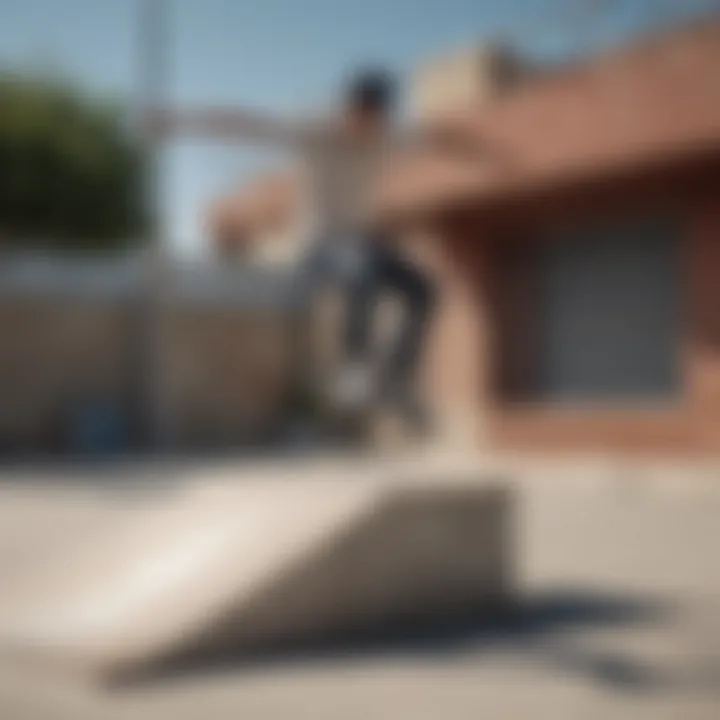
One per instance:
(70, 172)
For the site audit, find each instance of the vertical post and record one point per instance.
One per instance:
(155, 415)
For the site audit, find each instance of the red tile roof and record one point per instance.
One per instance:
(651, 101)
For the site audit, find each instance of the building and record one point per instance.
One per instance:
(579, 264)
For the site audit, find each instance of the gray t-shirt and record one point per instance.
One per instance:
(339, 181)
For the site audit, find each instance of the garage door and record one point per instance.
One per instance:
(608, 303)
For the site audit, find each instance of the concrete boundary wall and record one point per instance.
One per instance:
(70, 337)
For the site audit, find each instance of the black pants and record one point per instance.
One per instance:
(365, 272)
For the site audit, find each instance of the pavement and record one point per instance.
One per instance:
(618, 617)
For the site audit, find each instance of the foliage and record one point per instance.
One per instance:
(70, 172)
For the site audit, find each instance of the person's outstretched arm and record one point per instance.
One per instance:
(231, 125)
(448, 136)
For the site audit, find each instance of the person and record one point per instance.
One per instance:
(343, 157)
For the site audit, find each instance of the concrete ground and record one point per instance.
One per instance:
(619, 614)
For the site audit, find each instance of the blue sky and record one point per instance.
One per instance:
(286, 56)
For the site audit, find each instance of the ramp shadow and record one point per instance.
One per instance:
(539, 629)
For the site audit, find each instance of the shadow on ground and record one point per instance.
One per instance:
(542, 630)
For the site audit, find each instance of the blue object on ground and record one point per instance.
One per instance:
(98, 428)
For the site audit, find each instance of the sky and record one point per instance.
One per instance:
(287, 56)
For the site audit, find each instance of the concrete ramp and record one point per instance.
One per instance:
(246, 564)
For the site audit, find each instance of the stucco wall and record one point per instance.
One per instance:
(225, 364)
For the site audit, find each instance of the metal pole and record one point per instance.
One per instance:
(155, 416)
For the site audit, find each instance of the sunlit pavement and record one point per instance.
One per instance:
(619, 612)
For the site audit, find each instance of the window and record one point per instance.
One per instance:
(607, 318)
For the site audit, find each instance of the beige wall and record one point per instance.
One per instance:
(226, 368)
(51, 354)
(462, 78)
(228, 374)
